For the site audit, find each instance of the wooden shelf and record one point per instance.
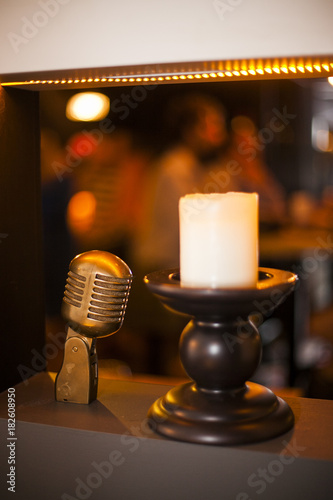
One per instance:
(63, 448)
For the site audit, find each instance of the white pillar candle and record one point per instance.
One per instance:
(219, 240)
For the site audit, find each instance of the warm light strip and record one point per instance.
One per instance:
(253, 69)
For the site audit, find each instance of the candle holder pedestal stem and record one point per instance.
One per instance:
(220, 349)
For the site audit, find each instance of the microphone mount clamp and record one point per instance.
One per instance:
(78, 378)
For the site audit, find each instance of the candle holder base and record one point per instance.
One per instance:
(220, 349)
(250, 414)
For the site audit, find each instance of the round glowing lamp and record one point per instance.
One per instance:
(87, 106)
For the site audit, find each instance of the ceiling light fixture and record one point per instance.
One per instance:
(87, 106)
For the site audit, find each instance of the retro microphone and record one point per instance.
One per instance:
(94, 304)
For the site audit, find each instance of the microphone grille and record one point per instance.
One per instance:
(96, 293)
(109, 298)
(74, 289)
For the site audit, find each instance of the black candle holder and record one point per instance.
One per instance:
(220, 349)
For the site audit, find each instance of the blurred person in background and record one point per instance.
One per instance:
(103, 214)
(197, 127)
(106, 205)
(250, 172)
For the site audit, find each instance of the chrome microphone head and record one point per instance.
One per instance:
(94, 304)
(96, 293)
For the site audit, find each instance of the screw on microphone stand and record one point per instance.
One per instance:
(94, 304)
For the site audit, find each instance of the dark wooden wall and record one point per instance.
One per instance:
(21, 265)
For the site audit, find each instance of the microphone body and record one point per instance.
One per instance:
(94, 304)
